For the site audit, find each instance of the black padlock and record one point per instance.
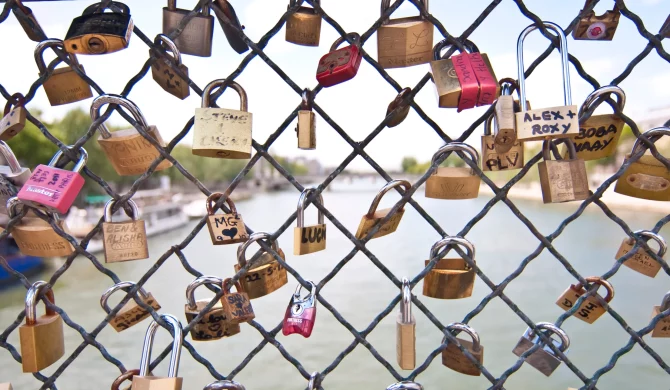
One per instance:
(100, 32)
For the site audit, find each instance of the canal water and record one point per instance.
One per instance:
(360, 291)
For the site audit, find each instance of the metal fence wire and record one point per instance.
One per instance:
(261, 152)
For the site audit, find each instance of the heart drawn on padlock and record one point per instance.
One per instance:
(229, 232)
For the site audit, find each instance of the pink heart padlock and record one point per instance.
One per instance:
(300, 313)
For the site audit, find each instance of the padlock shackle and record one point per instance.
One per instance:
(31, 301)
(457, 146)
(307, 100)
(600, 282)
(488, 123)
(226, 286)
(128, 375)
(406, 301)
(110, 204)
(241, 250)
(387, 187)
(447, 43)
(221, 83)
(297, 297)
(14, 202)
(178, 336)
(119, 100)
(224, 385)
(10, 157)
(301, 206)
(313, 381)
(662, 245)
(549, 327)
(292, 3)
(665, 303)
(119, 286)
(453, 240)
(50, 43)
(96, 9)
(459, 326)
(615, 9)
(550, 144)
(81, 163)
(405, 385)
(16, 100)
(653, 135)
(562, 49)
(607, 89)
(386, 4)
(355, 37)
(164, 39)
(190, 289)
(214, 198)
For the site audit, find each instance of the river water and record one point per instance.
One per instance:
(360, 291)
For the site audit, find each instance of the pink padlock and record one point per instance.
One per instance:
(54, 189)
(300, 313)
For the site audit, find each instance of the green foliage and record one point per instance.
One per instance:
(294, 168)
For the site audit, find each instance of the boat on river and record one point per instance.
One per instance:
(27, 265)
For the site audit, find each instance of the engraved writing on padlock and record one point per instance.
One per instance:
(303, 27)
(236, 305)
(662, 328)
(144, 380)
(14, 174)
(641, 261)
(63, 85)
(402, 106)
(35, 236)
(131, 313)
(306, 128)
(562, 180)
(543, 359)
(100, 32)
(370, 220)
(594, 27)
(493, 159)
(267, 274)
(453, 182)
(405, 41)
(406, 330)
(162, 69)
(450, 278)
(214, 324)
(308, 239)
(123, 241)
(591, 308)
(196, 37)
(453, 358)
(301, 312)
(340, 65)
(14, 117)
(225, 228)
(28, 22)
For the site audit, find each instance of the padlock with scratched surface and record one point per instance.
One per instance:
(495, 160)
(236, 306)
(225, 228)
(370, 220)
(452, 278)
(453, 358)
(63, 85)
(308, 239)
(214, 324)
(402, 105)
(267, 274)
(340, 65)
(14, 174)
(131, 313)
(100, 32)
(162, 69)
(543, 359)
(303, 27)
(453, 182)
(662, 328)
(28, 22)
(123, 241)
(144, 380)
(641, 261)
(405, 325)
(405, 41)
(591, 308)
(306, 128)
(562, 180)
(592, 27)
(196, 37)
(300, 314)
(14, 117)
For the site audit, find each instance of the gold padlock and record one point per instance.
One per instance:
(236, 305)
(42, 339)
(306, 128)
(131, 313)
(505, 108)
(662, 328)
(144, 380)
(453, 358)
(162, 69)
(303, 27)
(453, 182)
(402, 105)
(450, 278)
(405, 41)
(123, 241)
(308, 239)
(562, 180)
(64, 85)
(14, 117)
(594, 27)
(220, 132)
(373, 216)
(495, 160)
(214, 324)
(126, 376)
(406, 330)
(267, 274)
(591, 309)
(641, 261)
(226, 228)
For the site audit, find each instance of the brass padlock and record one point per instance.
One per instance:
(591, 308)
(267, 274)
(14, 117)
(127, 150)
(453, 182)
(551, 122)
(562, 180)
(306, 128)
(370, 220)
(196, 37)
(662, 328)
(592, 27)
(308, 239)
(126, 376)
(495, 160)
(36, 237)
(453, 358)
(543, 359)
(236, 306)
(450, 278)
(214, 324)
(144, 380)
(63, 85)
(230, 24)
(406, 330)
(303, 27)
(641, 261)
(123, 241)
(404, 385)
(405, 41)
(505, 129)
(225, 228)
(131, 313)
(28, 22)
(220, 132)
(162, 69)
(224, 385)
(100, 32)
(402, 105)
(42, 339)
(14, 174)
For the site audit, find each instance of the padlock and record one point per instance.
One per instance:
(405, 385)
(551, 122)
(28, 22)
(592, 27)
(196, 37)
(340, 65)
(14, 117)
(267, 274)
(224, 385)
(100, 32)
(454, 182)
(15, 176)
(370, 220)
(562, 180)
(143, 381)
(308, 239)
(405, 326)
(405, 41)
(225, 228)
(646, 178)
(131, 313)
(229, 22)
(221, 132)
(42, 339)
(662, 328)
(505, 129)
(236, 306)
(453, 358)
(591, 308)
(162, 69)
(126, 376)
(401, 105)
(306, 128)
(641, 261)
(123, 241)
(214, 324)
(303, 27)
(63, 85)
(301, 312)
(495, 160)
(543, 359)
(450, 278)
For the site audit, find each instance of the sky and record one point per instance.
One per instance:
(358, 105)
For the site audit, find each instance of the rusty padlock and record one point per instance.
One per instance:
(162, 68)
(591, 308)
(226, 228)
(641, 261)
(495, 160)
(453, 358)
(450, 278)
(373, 216)
(131, 313)
(543, 359)
(592, 27)
(267, 274)
(303, 27)
(63, 85)
(123, 241)
(454, 182)
(144, 380)
(14, 117)
(562, 180)
(214, 324)
(308, 239)
(405, 41)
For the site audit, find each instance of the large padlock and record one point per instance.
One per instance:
(42, 339)
(300, 314)
(562, 180)
(162, 69)
(28, 22)
(450, 278)
(495, 160)
(214, 324)
(236, 306)
(14, 117)
(126, 376)
(551, 122)
(144, 380)
(267, 274)
(131, 313)
(641, 261)
(224, 385)
(594, 27)
(123, 241)
(303, 27)
(405, 385)
(591, 308)
(405, 325)
(543, 359)
(63, 85)
(225, 228)
(308, 239)
(453, 182)
(454, 358)
(230, 24)
(196, 37)
(374, 216)
(15, 176)
(340, 65)
(405, 41)
(662, 328)
(306, 128)
(221, 132)
(100, 32)
(402, 105)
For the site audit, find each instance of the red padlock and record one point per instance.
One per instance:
(340, 65)
(54, 189)
(300, 313)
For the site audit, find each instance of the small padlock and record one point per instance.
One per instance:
(144, 380)
(162, 69)
(28, 22)
(340, 65)
(230, 23)
(551, 122)
(405, 41)
(126, 376)
(221, 132)
(405, 326)
(306, 128)
(123, 241)
(543, 359)
(562, 180)
(453, 358)
(63, 85)
(495, 160)
(267, 274)
(14, 119)
(214, 324)
(641, 261)
(505, 129)
(236, 305)
(303, 27)
(592, 27)
(308, 239)
(15, 176)
(100, 32)
(450, 278)
(662, 328)
(42, 339)
(224, 385)
(405, 385)
(131, 313)
(301, 312)
(454, 182)
(370, 220)
(225, 228)
(196, 37)
(591, 308)
(402, 105)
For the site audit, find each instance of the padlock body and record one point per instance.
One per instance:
(453, 358)
(493, 160)
(306, 130)
(13, 182)
(405, 42)
(640, 261)
(222, 133)
(196, 38)
(598, 137)
(406, 343)
(123, 241)
(368, 222)
(589, 311)
(99, 33)
(132, 154)
(42, 343)
(449, 279)
(304, 27)
(647, 178)
(169, 80)
(237, 307)
(547, 123)
(132, 314)
(12, 123)
(263, 280)
(302, 323)
(452, 183)
(309, 239)
(662, 328)
(213, 325)
(398, 117)
(563, 180)
(338, 66)
(226, 228)
(542, 359)
(66, 86)
(35, 237)
(156, 383)
(505, 125)
(447, 85)
(597, 28)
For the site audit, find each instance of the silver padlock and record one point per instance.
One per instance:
(15, 175)
(405, 385)
(224, 385)
(543, 359)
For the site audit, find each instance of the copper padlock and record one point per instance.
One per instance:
(224, 385)
(591, 308)
(453, 182)
(543, 359)
(592, 27)
(126, 376)
(225, 228)
(562, 180)
(131, 313)
(370, 220)
(63, 85)
(662, 328)
(453, 358)
(14, 174)
(28, 22)
(267, 274)
(14, 117)
(303, 27)
(450, 278)
(402, 105)
(308, 239)
(495, 160)
(306, 128)
(405, 41)
(214, 324)
(641, 261)
(236, 305)
(144, 380)
(163, 68)
(126, 240)
(406, 330)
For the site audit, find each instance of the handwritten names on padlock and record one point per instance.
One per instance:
(131, 313)
(368, 222)
(405, 42)
(223, 133)
(590, 309)
(662, 328)
(237, 306)
(226, 228)
(452, 183)
(640, 261)
(123, 241)
(168, 79)
(598, 137)
(552, 122)
(309, 239)
(53, 188)
(260, 281)
(213, 325)
(492, 160)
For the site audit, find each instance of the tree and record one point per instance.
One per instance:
(408, 163)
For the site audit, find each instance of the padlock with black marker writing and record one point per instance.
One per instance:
(340, 65)
(162, 69)
(100, 32)
(196, 37)
(124, 241)
(225, 228)
(495, 160)
(301, 312)
(303, 27)
(145, 380)
(405, 41)
(28, 22)
(641, 261)
(131, 313)
(306, 128)
(453, 358)
(452, 278)
(267, 274)
(405, 325)
(662, 328)
(64, 85)
(308, 239)
(214, 324)
(543, 359)
(14, 174)
(592, 27)
(401, 105)
(591, 308)
(14, 117)
(236, 306)
(454, 182)
(562, 180)
(373, 216)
